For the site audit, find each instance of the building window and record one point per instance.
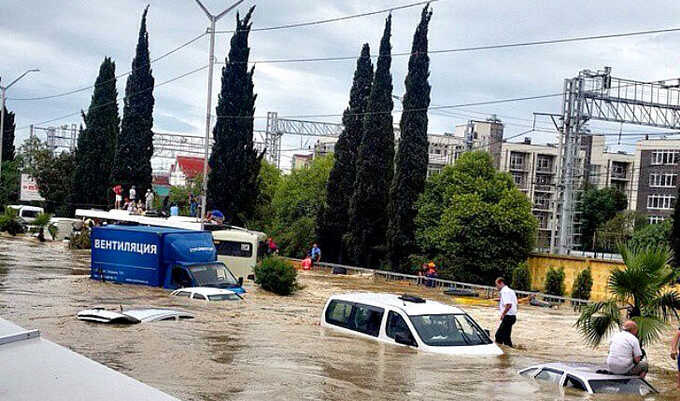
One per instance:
(618, 170)
(665, 157)
(518, 178)
(663, 180)
(663, 202)
(516, 160)
(544, 163)
(542, 202)
(656, 219)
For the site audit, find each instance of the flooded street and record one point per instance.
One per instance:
(272, 348)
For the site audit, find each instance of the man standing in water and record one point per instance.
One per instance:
(507, 305)
(625, 353)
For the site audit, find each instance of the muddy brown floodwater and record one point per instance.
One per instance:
(272, 348)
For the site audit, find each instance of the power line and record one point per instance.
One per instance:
(71, 92)
(336, 19)
(118, 99)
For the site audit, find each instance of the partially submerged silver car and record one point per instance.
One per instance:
(585, 377)
(131, 316)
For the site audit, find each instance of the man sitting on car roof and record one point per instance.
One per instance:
(625, 353)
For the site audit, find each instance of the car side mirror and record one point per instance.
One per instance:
(240, 281)
(404, 339)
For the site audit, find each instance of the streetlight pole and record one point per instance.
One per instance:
(3, 90)
(211, 62)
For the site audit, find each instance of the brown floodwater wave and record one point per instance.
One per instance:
(272, 348)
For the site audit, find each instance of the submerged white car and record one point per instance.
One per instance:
(131, 316)
(208, 294)
(408, 321)
(587, 377)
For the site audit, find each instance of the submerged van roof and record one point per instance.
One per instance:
(410, 308)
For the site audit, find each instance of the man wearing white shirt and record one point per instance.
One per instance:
(507, 306)
(625, 354)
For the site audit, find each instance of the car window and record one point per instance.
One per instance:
(550, 375)
(367, 319)
(396, 325)
(182, 294)
(234, 248)
(224, 297)
(574, 382)
(623, 386)
(338, 313)
(198, 296)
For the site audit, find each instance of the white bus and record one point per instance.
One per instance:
(238, 248)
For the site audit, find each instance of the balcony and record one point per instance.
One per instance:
(620, 176)
(518, 167)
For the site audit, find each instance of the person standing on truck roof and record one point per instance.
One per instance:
(118, 190)
(215, 216)
(133, 194)
(507, 305)
(174, 210)
(192, 205)
(149, 199)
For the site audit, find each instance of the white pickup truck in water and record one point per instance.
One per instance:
(408, 321)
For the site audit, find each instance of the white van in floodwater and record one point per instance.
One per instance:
(408, 321)
(27, 213)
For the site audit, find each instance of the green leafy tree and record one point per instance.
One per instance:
(8, 137)
(296, 203)
(521, 277)
(582, 285)
(412, 155)
(598, 206)
(332, 222)
(554, 281)
(91, 184)
(270, 177)
(618, 229)
(234, 162)
(475, 219)
(179, 194)
(53, 174)
(10, 182)
(652, 235)
(10, 222)
(375, 166)
(641, 292)
(132, 162)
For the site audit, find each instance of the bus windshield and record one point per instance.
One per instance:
(213, 275)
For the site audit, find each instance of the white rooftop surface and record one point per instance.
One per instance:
(206, 290)
(411, 308)
(38, 369)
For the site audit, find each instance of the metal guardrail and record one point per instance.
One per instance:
(486, 290)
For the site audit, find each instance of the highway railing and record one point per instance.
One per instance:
(478, 289)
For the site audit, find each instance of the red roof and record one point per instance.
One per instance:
(190, 166)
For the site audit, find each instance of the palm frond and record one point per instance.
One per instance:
(650, 329)
(598, 320)
(664, 306)
(42, 220)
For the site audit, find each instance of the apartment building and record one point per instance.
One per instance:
(610, 169)
(655, 192)
(301, 161)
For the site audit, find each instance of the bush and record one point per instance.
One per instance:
(582, 285)
(554, 281)
(277, 275)
(9, 221)
(80, 240)
(521, 277)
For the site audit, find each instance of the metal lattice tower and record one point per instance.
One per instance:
(64, 137)
(599, 96)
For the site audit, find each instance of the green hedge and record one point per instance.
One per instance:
(582, 285)
(554, 281)
(277, 275)
(521, 278)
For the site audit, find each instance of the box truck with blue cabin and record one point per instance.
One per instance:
(159, 257)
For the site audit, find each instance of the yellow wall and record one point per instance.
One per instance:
(539, 264)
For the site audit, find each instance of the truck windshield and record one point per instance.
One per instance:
(213, 275)
(448, 330)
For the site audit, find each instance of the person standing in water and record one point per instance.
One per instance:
(507, 306)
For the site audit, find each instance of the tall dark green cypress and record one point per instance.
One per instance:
(234, 162)
(411, 160)
(675, 232)
(132, 163)
(375, 165)
(97, 143)
(8, 151)
(333, 219)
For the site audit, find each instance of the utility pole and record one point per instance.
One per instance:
(211, 63)
(3, 90)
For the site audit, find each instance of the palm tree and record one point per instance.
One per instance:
(640, 292)
(41, 222)
(11, 222)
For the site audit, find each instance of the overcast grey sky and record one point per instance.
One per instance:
(67, 40)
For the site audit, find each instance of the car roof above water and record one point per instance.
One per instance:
(410, 308)
(584, 370)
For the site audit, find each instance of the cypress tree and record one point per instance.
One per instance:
(97, 143)
(675, 233)
(8, 152)
(234, 162)
(411, 160)
(132, 163)
(332, 220)
(374, 168)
